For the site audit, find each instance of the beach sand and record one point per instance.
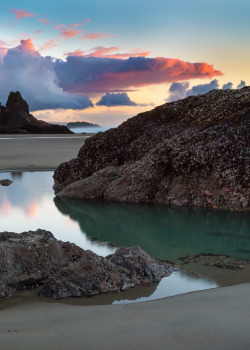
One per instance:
(38, 152)
(213, 319)
(210, 320)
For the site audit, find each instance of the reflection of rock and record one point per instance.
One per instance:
(6, 182)
(16, 119)
(16, 174)
(192, 152)
(62, 269)
(163, 232)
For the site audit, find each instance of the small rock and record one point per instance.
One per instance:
(6, 182)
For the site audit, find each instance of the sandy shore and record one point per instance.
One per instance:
(38, 152)
(213, 319)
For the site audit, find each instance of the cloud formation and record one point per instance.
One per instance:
(21, 13)
(109, 52)
(48, 83)
(68, 33)
(94, 36)
(111, 99)
(227, 86)
(179, 91)
(50, 44)
(241, 84)
(24, 69)
(99, 74)
(43, 20)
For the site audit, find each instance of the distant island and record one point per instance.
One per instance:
(82, 125)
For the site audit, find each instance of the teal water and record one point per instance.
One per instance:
(166, 233)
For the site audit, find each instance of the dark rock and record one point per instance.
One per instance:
(16, 119)
(6, 182)
(192, 152)
(62, 269)
(218, 261)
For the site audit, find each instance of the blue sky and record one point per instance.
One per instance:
(216, 33)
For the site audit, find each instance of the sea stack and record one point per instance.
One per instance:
(192, 152)
(16, 119)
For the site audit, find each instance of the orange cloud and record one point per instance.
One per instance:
(21, 13)
(50, 44)
(27, 45)
(93, 36)
(43, 20)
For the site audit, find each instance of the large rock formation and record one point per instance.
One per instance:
(190, 152)
(16, 119)
(62, 269)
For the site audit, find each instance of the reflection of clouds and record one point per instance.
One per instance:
(26, 192)
(5, 206)
(31, 209)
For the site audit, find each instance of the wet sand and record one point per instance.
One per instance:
(213, 319)
(38, 152)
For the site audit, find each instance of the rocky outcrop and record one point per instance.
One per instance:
(6, 182)
(16, 119)
(190, 152)
(36, 259)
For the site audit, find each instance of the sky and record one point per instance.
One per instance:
(105, 61)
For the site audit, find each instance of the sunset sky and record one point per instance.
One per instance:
(105, 61)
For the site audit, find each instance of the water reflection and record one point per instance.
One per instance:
(28, 204)
(163, 232)
(166, 233)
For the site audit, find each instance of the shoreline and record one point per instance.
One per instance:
(211, 319)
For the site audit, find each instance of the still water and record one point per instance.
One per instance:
(166, 233)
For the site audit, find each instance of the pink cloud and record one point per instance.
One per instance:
(75, 53)
(50, 44)
(68, 33)
(93, 36)
(102, 51)
(43, 20)
(60, 26)
(37, 32)
(75, 25)
(21, 13)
